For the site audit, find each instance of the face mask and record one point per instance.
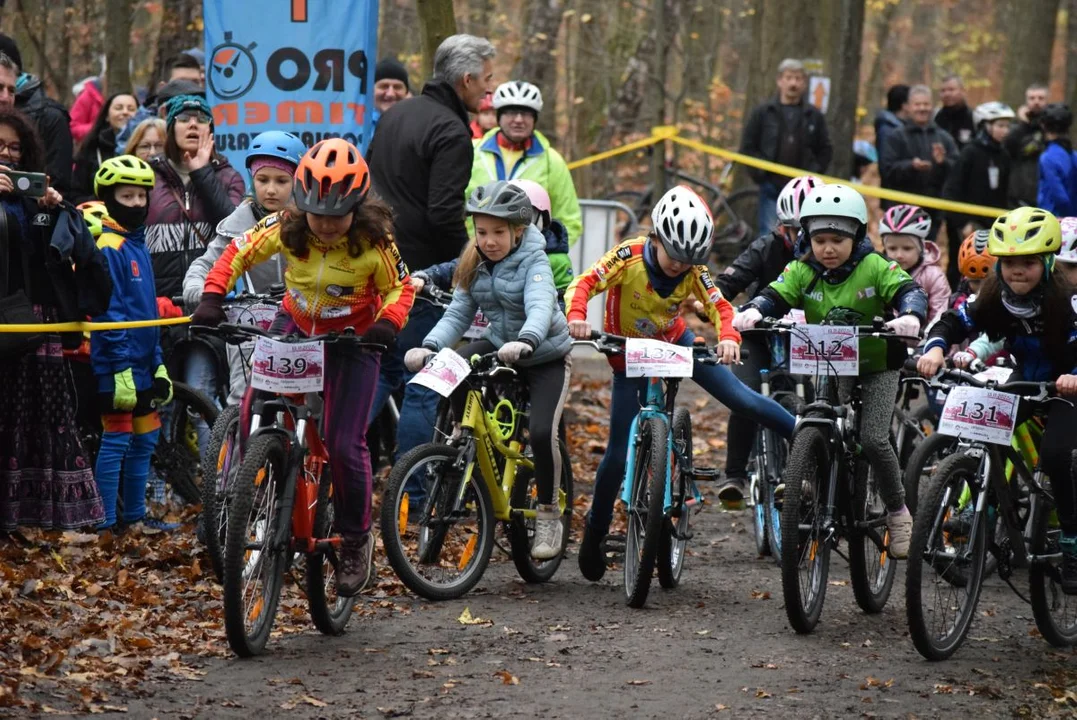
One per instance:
(130, 218)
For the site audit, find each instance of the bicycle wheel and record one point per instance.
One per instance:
(735, 219)
(176, 457)
(757, 488)
(645, 510)
(1054, 610)
(440, 550)
(222, 454)
(524, 496)
(777, 456)
(871, 569)
(922, 463)
(805, 550)
(674, 535)
(329, 611)
(253, 567)
(945, 573)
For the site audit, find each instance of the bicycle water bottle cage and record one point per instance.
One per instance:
(502, 420)
(842, 316)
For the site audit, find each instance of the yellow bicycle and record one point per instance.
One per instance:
(442, 502)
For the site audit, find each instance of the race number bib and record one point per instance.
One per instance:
(443, 373)
(289, 368)
(257, 314)
(646, 357)
(998, 374)
(478, 326)
(979, 414)
(824, 350)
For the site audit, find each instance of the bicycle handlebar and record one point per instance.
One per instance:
(238, 334)
(609, 344)
(877, 329)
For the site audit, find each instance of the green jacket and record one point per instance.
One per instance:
(868, 283)
(540, 163)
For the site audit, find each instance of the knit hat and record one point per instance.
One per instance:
(187, 103)
(263, 161)
(392, 69)
(9, 48)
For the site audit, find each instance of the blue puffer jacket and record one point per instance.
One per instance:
(1058, 180)
(518, 297)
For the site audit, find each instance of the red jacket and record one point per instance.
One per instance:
(85, 110)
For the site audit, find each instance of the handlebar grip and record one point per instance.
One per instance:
(911, 363)
(177, 300)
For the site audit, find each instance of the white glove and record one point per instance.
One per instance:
(416, 358)
(746, 320)
(905, 325)
(963, 358)
(512, 351)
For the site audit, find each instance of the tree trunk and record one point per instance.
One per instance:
(1028, 59)
(841, 113)
(924, 18)
(118, 46)
(181, 28)
(478, 16)
(1071, 53)
(536, 64)
(436, 22)
(874, 90)
(396, 28)
(587, 90)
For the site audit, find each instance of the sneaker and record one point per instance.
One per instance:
(961, 524)
(546, 544)
(732, 490)
(899, 524)
(152, 526)
(1069, 565)
(592, 558)
(356, 562)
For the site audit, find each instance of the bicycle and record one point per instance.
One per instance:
(831, 493)
(280, 501)
(956, 529)
(477, 478)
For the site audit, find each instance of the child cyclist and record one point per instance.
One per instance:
(131, 376)
(842, 270)
(904, 230)
(343, 273)
(506, 273)
(1029, 306)
(1067, 256)
(760, 264)
(647, 279)
(975, 263)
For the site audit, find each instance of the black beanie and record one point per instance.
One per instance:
(9, 48)
(392, 69)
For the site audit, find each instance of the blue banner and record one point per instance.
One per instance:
(304, 66)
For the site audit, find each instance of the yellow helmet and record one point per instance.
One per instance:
(1025, 231)
(92, 212)
(123, 170)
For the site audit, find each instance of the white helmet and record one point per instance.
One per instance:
(517, 93)
(683, 223)
(834, 207)
(1068, 252)
(989, 111)
(791, 198)
(906, 220)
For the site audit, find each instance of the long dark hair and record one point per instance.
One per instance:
(373, 221)
(87, 153)
(33, 152)
(993, 318)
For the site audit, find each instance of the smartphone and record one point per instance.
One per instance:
(29, 184)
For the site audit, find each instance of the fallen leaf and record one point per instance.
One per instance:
(761, 693)
(760, 595)
(720, 707)
(638, 682)
(466, 618)
(507, 678)
(314, 701)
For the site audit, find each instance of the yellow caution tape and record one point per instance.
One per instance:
(91, 326)
(630, 147)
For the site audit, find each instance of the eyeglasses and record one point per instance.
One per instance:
(150, 147)
(11, 148)
(199, 117)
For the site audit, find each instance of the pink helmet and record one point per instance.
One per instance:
(1068, 252)
(792, 197)
(540, 199)
(906, 220)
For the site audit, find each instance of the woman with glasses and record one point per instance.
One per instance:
(100, 143)
(147, 139)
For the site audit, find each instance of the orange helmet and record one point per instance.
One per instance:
(973, 259)
(332, 178)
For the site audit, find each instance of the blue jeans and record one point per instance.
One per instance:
(200, 372)
(419, 411)
(768, 206)
(629, 394)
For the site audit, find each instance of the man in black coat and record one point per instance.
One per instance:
(954, 115)
(787, 130)
(1024, 145)
(420, 164)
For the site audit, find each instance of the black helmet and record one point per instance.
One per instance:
(1056, 118)
(501, 199)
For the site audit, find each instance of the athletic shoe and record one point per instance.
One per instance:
(899, 525)
(592, 558)
(546, 545)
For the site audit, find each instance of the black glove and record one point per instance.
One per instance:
(209, 311)
(381, 332)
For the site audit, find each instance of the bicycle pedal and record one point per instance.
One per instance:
(706, 474)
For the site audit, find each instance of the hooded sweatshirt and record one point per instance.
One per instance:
(932, 279)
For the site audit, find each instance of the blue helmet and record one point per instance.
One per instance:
(276, 144)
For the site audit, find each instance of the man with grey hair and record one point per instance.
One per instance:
(954, 115)
(917, 157)
(787, 130)
(420, 163)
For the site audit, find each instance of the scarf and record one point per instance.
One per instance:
(663, 284)
(1022, 307)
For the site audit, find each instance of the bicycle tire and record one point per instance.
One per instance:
(439, 498)
(671, 551)
(329, 613)
(922, 462)
(647, 498)
(173, 457)
(265, 468)
(953, 474)
(735, 229)
(809, 465)
(757, 488)
(777, 448)
(871, 569)
(522, 530)
(220, 455)
(1045, 586)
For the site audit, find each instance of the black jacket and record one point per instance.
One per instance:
(914, 141)
(969, 181)
(758, 266)
(763, 132)
(1024, 144)
(54, 125)
(420, 163)
(87, 165)
(957, 121)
